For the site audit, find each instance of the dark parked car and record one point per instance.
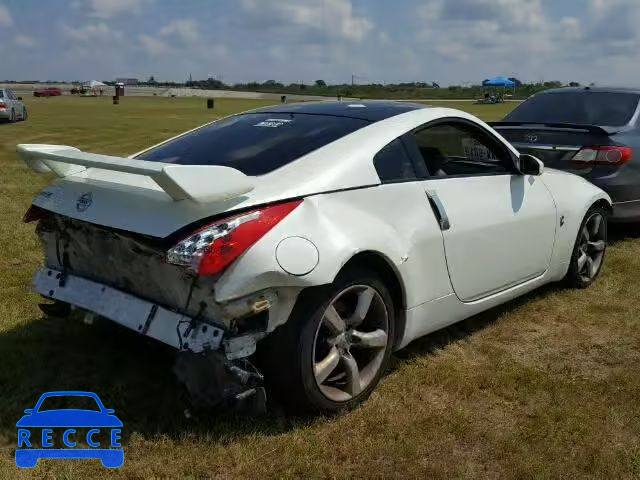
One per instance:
(592, 132)
(47, 92)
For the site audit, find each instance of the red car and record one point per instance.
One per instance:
(47, 92)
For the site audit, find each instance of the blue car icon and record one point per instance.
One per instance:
(96, 418)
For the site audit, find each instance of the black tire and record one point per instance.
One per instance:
(12, 118)
(286, 356)
(25, 115)
(574, 277)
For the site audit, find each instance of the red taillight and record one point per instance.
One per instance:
(213, 248)
(34, 214)
(606, 155)
(3, 105)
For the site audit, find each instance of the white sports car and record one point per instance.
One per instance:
(302, 244)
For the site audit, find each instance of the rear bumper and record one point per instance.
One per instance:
(626, 212)
(4, 114)
(212, 370)
(146, 318)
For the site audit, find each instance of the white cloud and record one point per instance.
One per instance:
(92, 33)
(154, 46)
(186, 31)
(519, 34)
(24, 41)
(177, 35)
(106, 9)
(499, 36)
(331, 17)
(6, 20)
(181, 39)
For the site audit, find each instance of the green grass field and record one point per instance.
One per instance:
(544, 387)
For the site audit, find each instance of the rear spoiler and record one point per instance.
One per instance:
(200, 183)
(595, 129)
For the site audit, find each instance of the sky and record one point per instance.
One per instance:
(447, 41)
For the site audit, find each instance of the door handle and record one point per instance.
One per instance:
(438, 210)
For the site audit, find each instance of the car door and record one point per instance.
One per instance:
(18, 105)
(498, 225)
(13, 103)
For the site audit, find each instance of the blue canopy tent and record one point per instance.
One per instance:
(498, 82)
(503, 82)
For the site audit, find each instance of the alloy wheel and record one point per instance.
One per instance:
(350, 343)
(592, 245)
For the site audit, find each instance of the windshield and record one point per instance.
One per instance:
(255, 143)
(69, 402)
(587, 108)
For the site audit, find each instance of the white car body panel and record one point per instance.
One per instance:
(509, 233)
(507, 217)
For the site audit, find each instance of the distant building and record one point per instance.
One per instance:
(127, 81)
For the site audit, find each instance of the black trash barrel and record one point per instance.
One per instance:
(210, 103)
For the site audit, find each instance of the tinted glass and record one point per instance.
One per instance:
(587, 108)
(255, 143)
(458, 149)
(1, 94)
(393, 164)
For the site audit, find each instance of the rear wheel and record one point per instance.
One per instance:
(589, 250)
(12, 118)
(334, 349)
(25, 115)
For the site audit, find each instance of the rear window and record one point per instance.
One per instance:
(1, 94)
(587, 108)
(254, 143)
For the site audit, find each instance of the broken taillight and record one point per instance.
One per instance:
(213, 248)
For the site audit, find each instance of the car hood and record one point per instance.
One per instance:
(69, 418)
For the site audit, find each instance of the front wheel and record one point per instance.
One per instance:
(335, 347)
(589, 249)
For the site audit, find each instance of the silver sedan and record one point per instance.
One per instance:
(12, 108)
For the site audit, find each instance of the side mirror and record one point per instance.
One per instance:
(109, 411)
(530, 165)
(29, 411)
(19, 98)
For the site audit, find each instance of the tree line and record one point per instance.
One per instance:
(407, 90)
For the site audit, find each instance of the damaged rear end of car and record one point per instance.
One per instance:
(161, 287)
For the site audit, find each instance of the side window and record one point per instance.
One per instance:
(393, 164)
(451, 149)
(10, 94)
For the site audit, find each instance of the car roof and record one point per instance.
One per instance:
(73, 393)
(593, 89)
(372, 111)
